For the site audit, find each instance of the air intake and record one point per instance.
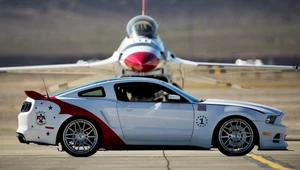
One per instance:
(276, 138)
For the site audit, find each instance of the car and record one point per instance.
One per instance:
(146, 113)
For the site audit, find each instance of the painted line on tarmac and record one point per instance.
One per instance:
(267, 162)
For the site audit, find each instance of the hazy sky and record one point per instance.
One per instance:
(197, 28)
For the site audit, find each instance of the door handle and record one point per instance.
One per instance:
(129, 110)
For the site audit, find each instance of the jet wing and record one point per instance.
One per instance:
(81, 67)
(177, 63)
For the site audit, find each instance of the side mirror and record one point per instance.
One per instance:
(173, 97)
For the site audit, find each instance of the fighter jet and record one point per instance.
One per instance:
(142, 53)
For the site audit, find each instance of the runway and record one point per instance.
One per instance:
(14, 155)
(283, 94)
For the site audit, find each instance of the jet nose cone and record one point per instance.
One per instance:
(142, 61)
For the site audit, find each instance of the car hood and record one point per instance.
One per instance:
(255, 106)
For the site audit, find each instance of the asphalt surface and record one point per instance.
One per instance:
(14, 155)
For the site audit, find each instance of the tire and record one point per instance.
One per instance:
(236, 137)
(80, 138)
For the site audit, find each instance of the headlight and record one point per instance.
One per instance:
(270, 119)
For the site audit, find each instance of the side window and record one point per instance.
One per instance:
(94, 92)
(144, 92)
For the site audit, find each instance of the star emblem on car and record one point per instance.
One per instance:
(40, 118)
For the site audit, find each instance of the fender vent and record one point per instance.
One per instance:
(26, 107)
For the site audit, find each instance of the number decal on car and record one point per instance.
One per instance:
(201, 121)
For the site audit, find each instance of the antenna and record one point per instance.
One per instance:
(144, 7)
(46, 90)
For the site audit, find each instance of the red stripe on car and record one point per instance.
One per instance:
(110, 138)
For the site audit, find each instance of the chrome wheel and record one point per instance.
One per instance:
(236, 137)
(80, 137)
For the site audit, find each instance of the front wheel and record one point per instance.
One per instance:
(236, 137)
(80, 138)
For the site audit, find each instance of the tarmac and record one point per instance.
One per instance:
(14, 155)
(282, 93)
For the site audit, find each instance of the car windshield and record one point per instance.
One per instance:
(182, 93)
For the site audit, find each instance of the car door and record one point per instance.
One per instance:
(146, 115)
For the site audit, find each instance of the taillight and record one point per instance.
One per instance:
(26, 106)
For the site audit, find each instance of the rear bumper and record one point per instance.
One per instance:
(272, 136)
(30, 132)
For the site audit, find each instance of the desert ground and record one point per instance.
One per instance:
(280, 90)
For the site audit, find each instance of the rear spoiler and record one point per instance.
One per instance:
(35, 95)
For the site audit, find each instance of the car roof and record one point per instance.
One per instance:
(112, 80)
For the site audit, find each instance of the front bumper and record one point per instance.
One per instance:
(272, 136)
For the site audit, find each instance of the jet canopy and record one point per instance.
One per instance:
(142, 25)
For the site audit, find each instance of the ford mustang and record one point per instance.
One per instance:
(145, 113)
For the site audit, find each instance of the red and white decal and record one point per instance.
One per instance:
(110, 138)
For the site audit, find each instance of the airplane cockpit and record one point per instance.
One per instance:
(142, 25)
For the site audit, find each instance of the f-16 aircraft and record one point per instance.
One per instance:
(142, 53)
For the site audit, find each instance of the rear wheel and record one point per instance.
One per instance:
(236, 137)
(80, 138)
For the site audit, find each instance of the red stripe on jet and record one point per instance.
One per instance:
(142, 61)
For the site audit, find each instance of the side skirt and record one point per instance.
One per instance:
(155, 147)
